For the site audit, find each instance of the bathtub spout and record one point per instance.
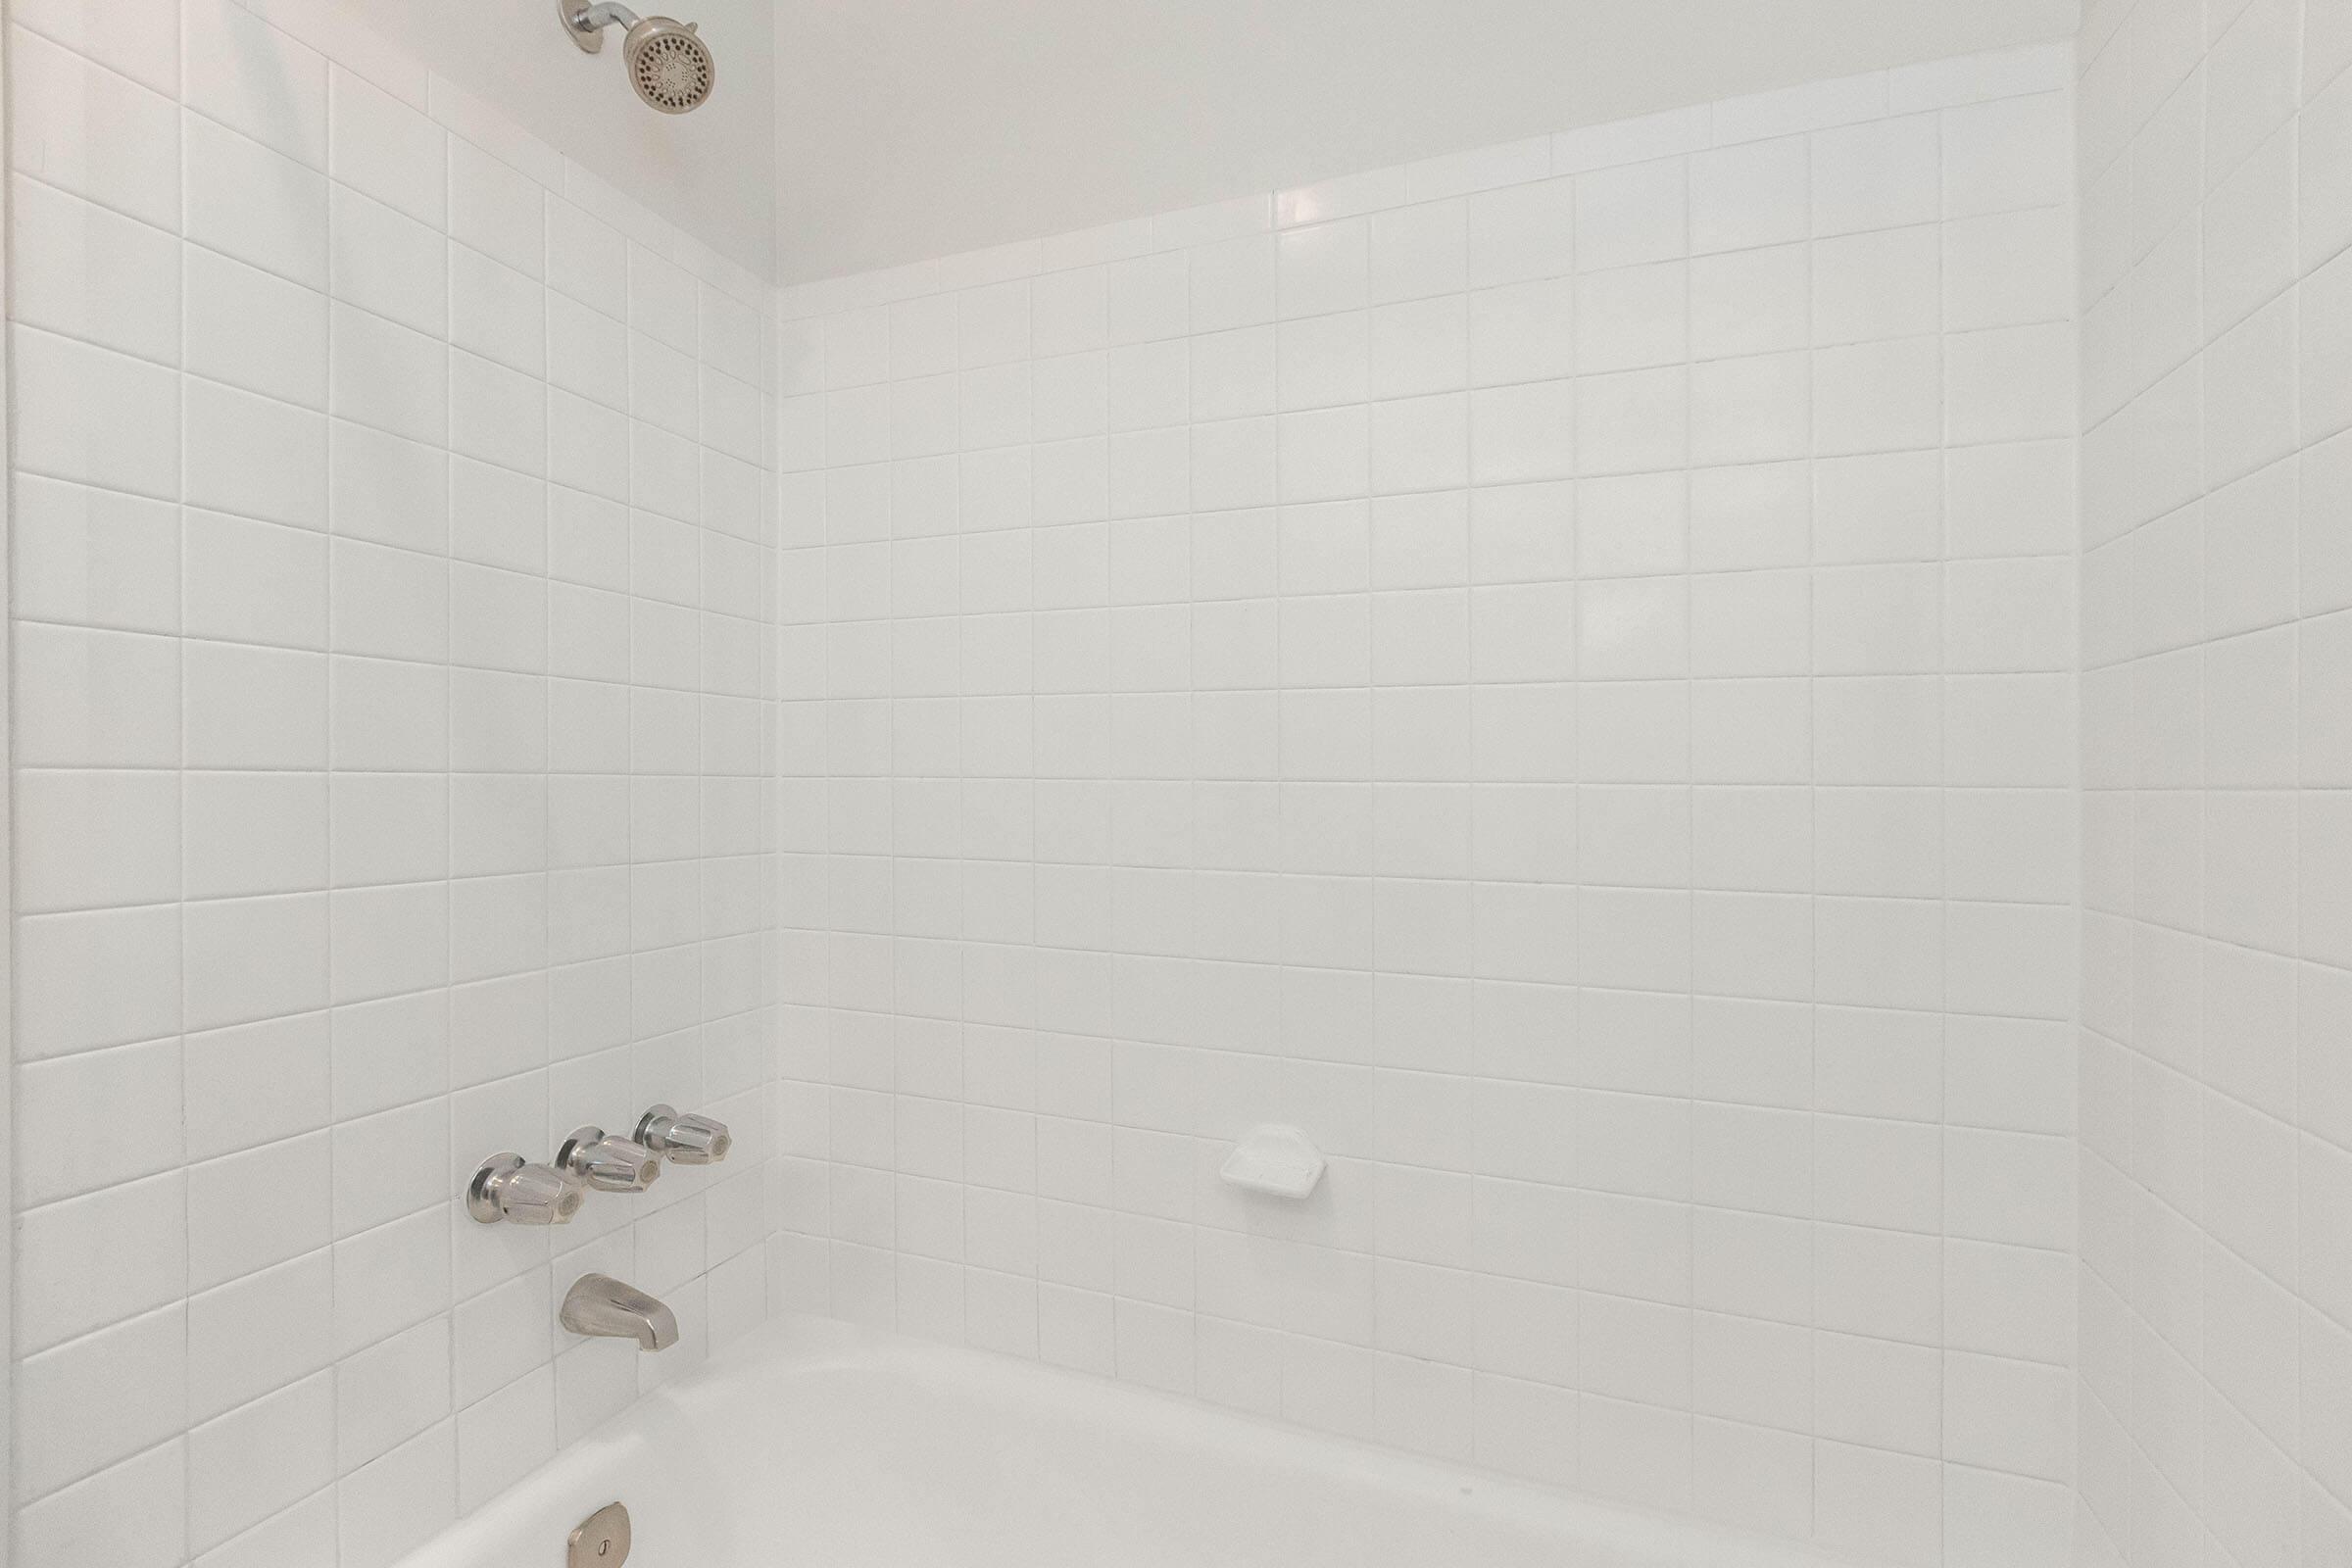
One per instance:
(600, 1306)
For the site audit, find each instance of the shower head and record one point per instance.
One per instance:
(669, 63)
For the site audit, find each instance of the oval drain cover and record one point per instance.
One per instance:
(602, 1539)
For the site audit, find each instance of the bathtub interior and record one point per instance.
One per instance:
(817, 1443)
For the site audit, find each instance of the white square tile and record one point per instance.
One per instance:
(2007, 270)
(255, 707)
(88, 273)
(1325, 268)
(96, 557)
(1749, 195)
(95, 418)
(134, 1512)
(255, 204)
(1750, 302)
(228, 1494)
(1635, 316)
(1878, 397)
(121, 150)
(1521, 232)
(1322, 361)
(497, 310)
(1522, 432)
(2006, 154)
(1882, 284)
(2031, 368)
(250, 455)
(97, 1396)
(1626, 216)
(1880, 174)
(1749, 409)
(387, 149)
(102, 698)
(1419, 444)
(495, 208)
(1419, 251)
(148, 53)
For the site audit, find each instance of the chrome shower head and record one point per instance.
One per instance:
(669, 63)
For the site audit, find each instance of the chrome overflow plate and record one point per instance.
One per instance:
(600, 1540)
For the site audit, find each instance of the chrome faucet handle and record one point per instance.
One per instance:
(509, 1188)
(688, 1140)
(609, 1164)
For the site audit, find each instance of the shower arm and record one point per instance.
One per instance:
(586, 22)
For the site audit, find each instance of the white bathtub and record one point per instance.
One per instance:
(818, 1445)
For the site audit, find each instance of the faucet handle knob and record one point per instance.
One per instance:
(609, 1164)
(507, 1187)
(688, 1140)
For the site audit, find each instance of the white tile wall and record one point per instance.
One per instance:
(2216, 164)
(1550, 668)
(392, 522)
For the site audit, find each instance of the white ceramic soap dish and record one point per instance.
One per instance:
(1275, 1161)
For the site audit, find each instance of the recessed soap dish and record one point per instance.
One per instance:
(1275, 1161)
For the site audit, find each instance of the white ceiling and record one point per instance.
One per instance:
(912, 128)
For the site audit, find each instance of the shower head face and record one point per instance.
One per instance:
(668, 65)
